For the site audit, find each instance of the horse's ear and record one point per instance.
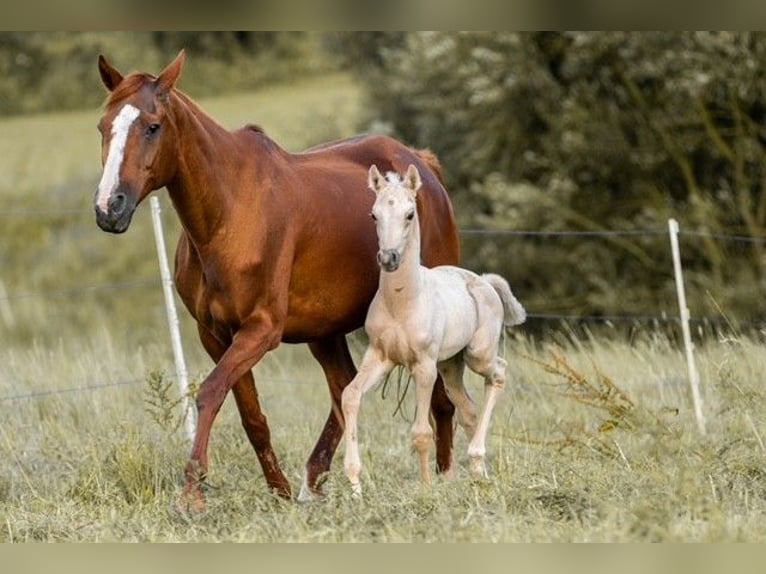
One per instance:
(374, 178)
(166, 81)
(110, 76)
(412, 178)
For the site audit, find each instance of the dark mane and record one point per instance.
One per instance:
(254, 128)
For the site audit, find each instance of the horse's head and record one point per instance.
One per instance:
(137, 141)
(395, 213)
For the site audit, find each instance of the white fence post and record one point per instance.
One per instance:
(694, 379)
(173, 324)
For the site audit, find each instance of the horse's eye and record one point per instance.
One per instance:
(373, 216)
(410, 215)
(152, 129)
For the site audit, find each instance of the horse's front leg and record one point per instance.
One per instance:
(373, 368)
(252, 417)
(424, 374)
(338, 366)
(247, 347)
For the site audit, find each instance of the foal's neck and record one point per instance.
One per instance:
(402, 287)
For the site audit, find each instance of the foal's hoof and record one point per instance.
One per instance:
(477, 468)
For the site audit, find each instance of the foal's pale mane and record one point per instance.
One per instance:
(394, 178)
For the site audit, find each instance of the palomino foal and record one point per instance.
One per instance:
(428, 320)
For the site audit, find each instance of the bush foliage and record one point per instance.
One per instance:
(592, 131)
(540, 131)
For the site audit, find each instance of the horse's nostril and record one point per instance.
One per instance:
(389, 259)
(117, 203)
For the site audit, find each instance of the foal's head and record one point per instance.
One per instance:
(395, 213)
(138, 141)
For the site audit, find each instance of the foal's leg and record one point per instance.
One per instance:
(253, 420)
(452, 373)
(494, 382)
(334, 357)
(373, 369)
(424, 374)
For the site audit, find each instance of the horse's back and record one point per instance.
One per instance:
(355, 155)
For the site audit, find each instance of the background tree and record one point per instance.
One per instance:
(594, 131)
(540, 131)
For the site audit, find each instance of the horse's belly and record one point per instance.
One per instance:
(330, 299)
(324, 316)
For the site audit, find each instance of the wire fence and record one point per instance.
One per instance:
(465, 232)
(86, 289)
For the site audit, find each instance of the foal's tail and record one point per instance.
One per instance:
(514, 311)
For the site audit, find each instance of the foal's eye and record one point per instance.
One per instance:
(410, 215)
(373, 216)
(152, 129)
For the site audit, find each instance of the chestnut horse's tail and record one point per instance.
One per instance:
(432, 162)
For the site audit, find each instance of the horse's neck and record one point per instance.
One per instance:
(202, 188)
(402, 287)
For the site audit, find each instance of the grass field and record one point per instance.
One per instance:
(594, 440)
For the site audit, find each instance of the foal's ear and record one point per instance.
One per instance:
(412, 178)
(110, 76)
(169, 76)
(374, 179)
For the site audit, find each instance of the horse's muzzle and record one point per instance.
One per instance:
(119, 213)
(389, 259)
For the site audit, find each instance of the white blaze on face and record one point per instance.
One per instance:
(111, 176)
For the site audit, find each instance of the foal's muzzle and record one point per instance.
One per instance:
(389, 259)
(118, 214)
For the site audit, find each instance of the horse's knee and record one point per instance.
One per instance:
(422, 439)
(209, 397)
(497, 377)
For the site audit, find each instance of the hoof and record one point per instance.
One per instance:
(306, 494)
(477, 468)
(191, 503)
(450, 473)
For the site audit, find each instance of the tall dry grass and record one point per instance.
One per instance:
(594, 438)
(591, 442)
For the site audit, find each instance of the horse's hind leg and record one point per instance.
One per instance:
(443, 410)
(452, 373)
(334, 357)
(494, 382)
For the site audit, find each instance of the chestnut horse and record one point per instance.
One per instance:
(275, 247)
